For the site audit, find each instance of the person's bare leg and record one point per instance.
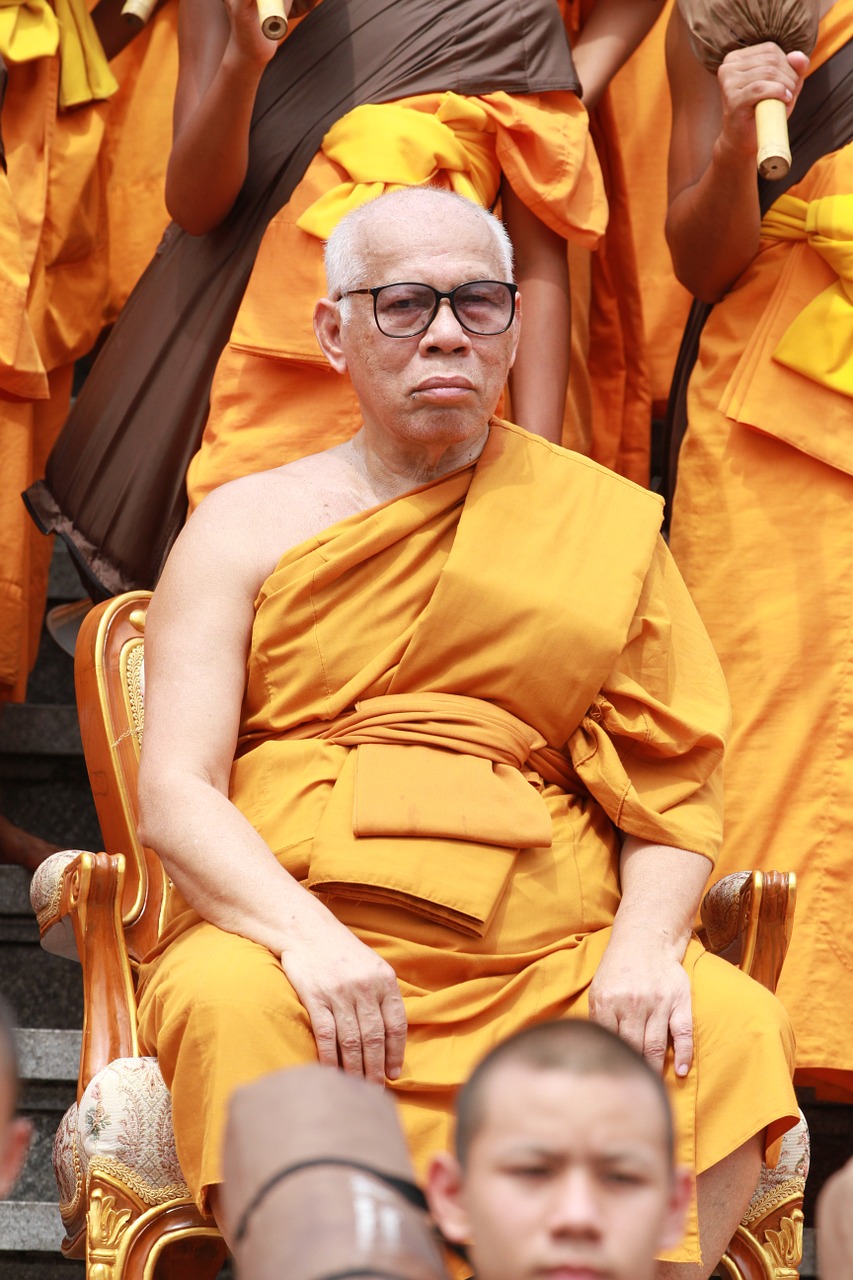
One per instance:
(722, 1193)
(21, 848)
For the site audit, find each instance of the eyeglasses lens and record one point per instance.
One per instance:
(483, 307)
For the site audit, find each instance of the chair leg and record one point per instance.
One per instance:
(770, 1247)
(126, 1240)
(193, 1259)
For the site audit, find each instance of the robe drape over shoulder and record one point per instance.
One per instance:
(763, 532)
(454, 702)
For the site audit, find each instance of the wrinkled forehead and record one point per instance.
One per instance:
(435, 245)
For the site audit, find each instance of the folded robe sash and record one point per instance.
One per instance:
(447, 774)
(819, 343)
(382, 147)
(794, 378)
(31, 29)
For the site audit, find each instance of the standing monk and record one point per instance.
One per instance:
(763, 511)
(273, 396)
(53, 282)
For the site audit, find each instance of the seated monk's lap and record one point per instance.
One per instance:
(220, 1012)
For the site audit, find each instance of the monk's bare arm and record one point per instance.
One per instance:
(713, 220)
(540, 375)
(197, 639)
(640, 990)
(609, 36)
(222, 55)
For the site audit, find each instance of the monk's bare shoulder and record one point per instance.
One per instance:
(248, 524)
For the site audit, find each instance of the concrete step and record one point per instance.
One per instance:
(45, 991)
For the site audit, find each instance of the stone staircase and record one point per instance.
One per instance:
(44, 788)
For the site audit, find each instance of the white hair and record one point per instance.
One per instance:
(344, 253)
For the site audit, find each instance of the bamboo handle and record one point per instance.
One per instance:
(273, 19)
(137, 12)
(774, 149)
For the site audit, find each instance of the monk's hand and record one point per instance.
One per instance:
(751, 75)
(642, 992)
(353, 1000)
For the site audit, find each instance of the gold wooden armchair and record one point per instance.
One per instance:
(123, 1200)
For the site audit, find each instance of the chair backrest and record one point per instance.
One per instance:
(110, 683)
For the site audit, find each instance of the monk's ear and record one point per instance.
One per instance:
(445, 1195)
(676, 1215)
(327, 329)
(516, 329)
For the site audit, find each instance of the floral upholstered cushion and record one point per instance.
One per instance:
(125, 1123)
(57, 936)
(787, 1178)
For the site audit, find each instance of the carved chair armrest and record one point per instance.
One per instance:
(748, 917)
(83, 894)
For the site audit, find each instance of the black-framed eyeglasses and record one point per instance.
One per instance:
(482, 307)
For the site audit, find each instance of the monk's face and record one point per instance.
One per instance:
(442, 385)
(567, 1178)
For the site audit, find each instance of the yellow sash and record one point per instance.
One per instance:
(33, 29)
(385, 146)
(819, 343)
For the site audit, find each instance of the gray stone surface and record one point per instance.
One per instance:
(14, 892)
(31, 729)
(39, 1266)
(44, 990)
(48, 1053)
(35, 1226)
(64, 582)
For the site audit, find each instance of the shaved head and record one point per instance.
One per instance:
(572, 1046)
(348, 246)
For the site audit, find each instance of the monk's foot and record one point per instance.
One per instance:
(19, 848)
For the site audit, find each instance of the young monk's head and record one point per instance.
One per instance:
(564, 1161)
(14, 1131)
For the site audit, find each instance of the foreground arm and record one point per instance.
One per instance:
(641, 991)
(222, 55)
(713, 220)
(197, 638)
(540, 375)
(609, 36)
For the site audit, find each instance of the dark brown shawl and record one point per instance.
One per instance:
(114, 484)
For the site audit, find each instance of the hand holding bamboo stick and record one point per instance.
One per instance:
(718, 27)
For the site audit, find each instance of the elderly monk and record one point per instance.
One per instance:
(432, 744)
(762, 526)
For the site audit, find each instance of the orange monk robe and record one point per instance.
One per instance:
(274, 397)
(641, 113)
(137, 144)
(56, 185)
(391, 634)
(763, 534)
(608, 405)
